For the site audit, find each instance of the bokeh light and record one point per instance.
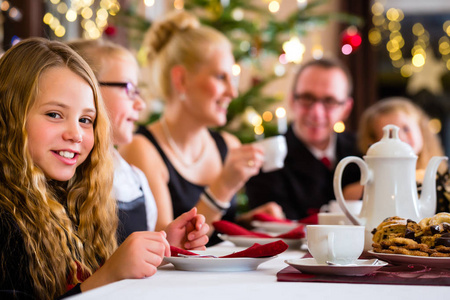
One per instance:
(339, 127)
(267, 116)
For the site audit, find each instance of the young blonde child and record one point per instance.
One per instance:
(58, 218)
(414, 130)
(117, 71)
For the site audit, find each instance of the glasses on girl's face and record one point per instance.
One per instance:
(308, 100)
(132, 90)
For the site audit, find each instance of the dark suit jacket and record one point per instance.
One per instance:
(304, 184)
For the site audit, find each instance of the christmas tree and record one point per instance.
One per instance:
(255, 34)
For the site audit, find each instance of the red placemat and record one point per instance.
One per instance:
(404, 275)
(386, 275)
(390, 274)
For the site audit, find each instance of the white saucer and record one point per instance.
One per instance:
(401, 259)
(245, 241)
(206, 264)
(274, 227)
(362, 267)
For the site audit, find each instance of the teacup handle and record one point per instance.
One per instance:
(331, 252)
(337, 183)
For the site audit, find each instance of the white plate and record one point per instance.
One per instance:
(245, 241)
(432, 262)
(206, 264)
(275, 227)
(309, 265)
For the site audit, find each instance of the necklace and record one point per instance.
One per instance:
(178, 153)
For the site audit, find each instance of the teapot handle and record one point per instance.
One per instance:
(337, 183)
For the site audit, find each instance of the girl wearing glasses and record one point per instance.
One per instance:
(117, 71)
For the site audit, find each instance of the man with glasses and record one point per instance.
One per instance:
(321, 97)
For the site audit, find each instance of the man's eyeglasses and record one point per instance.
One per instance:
(132, 90)
(308, 100)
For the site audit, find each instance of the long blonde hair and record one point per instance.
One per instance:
(367, 135)
(63, 224)
(178, 39)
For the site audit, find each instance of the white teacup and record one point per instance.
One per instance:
(333, 219)
(333, 207)
(332, 214)
(339, 244)
(275, 150)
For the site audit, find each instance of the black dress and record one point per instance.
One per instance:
(185, 194)
(15, 278)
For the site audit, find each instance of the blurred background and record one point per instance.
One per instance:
(392, 47)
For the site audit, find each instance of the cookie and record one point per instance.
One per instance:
(389, 231)
(380, 250)
(443, 240)
(443, 249)
(413, 230)
(424, 222)
(440, 218)
(429, 240)
(402, 250)
(440, 254)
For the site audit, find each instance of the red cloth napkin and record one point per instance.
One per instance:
(296, 233)
(311, 219)
(175, 250)
(257, 250)
(269, 218)
(229, 228)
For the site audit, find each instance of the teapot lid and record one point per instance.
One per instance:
(390, 145)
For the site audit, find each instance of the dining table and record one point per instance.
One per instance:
(169, 283)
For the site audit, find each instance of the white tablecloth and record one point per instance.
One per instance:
(169, 283)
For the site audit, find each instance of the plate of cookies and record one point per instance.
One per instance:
(402, 259)
(404, 241)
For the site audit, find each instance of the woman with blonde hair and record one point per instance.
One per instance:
(58, 218)
(187, 164)
(415, 130)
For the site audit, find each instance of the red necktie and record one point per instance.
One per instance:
(326, 162)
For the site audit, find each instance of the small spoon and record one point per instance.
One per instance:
(197, 256)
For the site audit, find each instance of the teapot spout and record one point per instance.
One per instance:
(427, 201)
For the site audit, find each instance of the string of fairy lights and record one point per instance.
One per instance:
(387, 23)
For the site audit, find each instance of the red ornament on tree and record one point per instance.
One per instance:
(351, 40)
(110, 30)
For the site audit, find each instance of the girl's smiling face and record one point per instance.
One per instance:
(123, 108)
(409, 128)
(60, 123)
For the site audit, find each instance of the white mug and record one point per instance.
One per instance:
(275, 150)
(332, 214)
(333, 219)
(333, 207)
(339, 244)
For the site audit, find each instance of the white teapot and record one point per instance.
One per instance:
(388, 176)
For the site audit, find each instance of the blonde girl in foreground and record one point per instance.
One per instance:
(58, 218)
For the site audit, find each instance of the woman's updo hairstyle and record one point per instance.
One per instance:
(178, 39)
